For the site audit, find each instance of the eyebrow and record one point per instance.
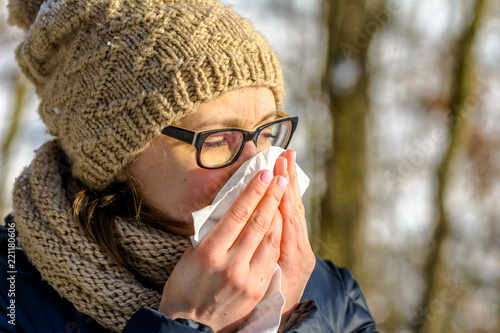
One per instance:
(230, 123)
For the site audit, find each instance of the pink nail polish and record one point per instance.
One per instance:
(266, 177)
(282, 181)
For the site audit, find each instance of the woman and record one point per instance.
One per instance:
(151, 104)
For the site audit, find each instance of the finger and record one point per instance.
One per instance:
(261, 220)
(290, 229)
(299, 210)
(292, 208)
(292, 172)
(289, 234)
(281, 166)
(267, 254)
(225, 233)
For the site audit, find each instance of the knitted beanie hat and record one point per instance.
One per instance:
(112, 73)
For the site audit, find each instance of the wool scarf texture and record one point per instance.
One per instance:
(73, 264)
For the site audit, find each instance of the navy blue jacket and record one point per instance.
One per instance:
(332, 302)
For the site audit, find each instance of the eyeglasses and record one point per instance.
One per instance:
(219, 148)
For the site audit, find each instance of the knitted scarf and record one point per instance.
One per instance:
(73, 264)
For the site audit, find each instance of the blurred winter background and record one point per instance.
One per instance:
(399, 132)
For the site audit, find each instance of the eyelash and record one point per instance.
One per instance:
(213, 145)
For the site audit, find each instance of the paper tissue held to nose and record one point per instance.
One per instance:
(206, 218)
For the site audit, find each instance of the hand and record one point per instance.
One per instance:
(219, 282)
(297, 259)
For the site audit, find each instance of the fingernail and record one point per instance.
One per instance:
(282, 181)
(266, 176)
(294, 156)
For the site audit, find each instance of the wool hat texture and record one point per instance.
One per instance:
(111, 74)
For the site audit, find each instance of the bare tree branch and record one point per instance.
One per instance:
(435, 271)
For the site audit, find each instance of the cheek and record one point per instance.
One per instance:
(203, 186)
(176, 186)
(177, 196)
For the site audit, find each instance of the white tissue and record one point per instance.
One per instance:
(266, 316)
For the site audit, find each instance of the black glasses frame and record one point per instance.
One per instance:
(197, 139)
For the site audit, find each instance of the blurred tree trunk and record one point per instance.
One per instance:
(440, 292)
(11, 132)
(345, 84)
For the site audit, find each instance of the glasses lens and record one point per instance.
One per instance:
(219, 148)
(277, 134)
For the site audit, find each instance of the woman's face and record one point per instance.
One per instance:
(166, 173)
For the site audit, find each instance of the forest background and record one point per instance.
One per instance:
(399, 132)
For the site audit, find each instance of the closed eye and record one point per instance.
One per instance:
(215, 144)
